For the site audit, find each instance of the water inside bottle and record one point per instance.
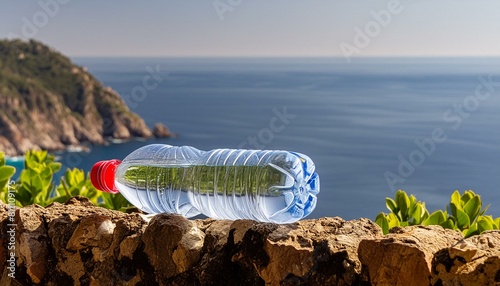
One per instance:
(224, 192)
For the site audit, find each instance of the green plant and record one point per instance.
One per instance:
(76, 182)
(114, 201)
(404, 211)
(35, 184)
(464, 213)
(6, 173)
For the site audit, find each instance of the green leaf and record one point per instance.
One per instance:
(381, 220)
(455, 203)
(412, 206)
(435, 218)
(413, 200)
(471, 193)
(66, 189)
(46, 176)
(6, 172)
(466, 197)
(485, 209)
(59, 199)
(455, 198)
(426, 213)
(449, 224)
(24, 197)
(36, 182)
(55, 167)
(497, 223)
(2, 158)
(417, 214)
(485, 223)
(472, 208)
(455, 209)
(393, 220)
(472, 230)
(115, 202)
(40, 156)
(463, 220)
(403, 203)
(391, 205)
(31, 161)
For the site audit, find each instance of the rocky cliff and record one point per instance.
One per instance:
(47, 102)
(77, 243)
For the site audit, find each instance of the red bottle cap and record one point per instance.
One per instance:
(102, 175)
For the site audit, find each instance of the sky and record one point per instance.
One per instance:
(257, 28)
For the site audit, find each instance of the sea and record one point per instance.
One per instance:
(372, 126)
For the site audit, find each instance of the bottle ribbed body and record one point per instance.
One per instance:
(264, 185)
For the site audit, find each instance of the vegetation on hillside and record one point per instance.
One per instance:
(42, 92)
(24, 66)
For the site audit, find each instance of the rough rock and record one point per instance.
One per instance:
(71, 244)
(321, 252)
(77, 243)
(162, 131)
(172, 244)
(33, 244)
(404, 257)
(471, 261)
(47, 102)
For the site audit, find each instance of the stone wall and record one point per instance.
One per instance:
(77, 243)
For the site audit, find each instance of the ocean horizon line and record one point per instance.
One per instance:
(354, 58)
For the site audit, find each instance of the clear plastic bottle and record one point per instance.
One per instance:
(268, 186)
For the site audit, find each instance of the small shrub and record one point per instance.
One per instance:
(464, 213)
(35, 184)
(76, 182)
(404, 211)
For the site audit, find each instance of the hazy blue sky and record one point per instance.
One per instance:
(257, 27)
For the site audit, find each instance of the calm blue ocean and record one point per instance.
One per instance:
(358, 121)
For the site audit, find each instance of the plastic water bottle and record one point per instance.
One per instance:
(268, 186)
